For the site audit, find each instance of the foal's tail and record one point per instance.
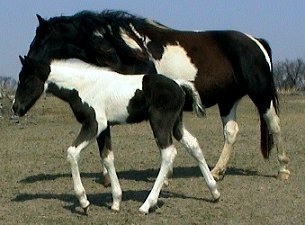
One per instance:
(267, 141)
(191, 91)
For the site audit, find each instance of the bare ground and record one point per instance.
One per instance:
(36, 184)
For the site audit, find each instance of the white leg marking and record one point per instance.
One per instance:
(73, 157)
(115, 185)
(167, 155)
(272, 119)
(273, 123)
(230, 130)
(192, 146)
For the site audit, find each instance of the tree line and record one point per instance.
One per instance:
(289, 75)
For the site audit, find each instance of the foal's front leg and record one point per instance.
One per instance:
(73, 156)
(104, 144)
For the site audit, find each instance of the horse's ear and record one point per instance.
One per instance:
(40, 19)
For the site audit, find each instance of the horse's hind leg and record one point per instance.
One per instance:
(230, 130)
(273, 123)
(192, 146)
(104, 144)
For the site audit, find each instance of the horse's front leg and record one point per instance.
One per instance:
(104, 144)
(73, 156)
(230, 130)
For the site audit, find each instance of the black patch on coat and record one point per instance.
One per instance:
(84, 113)
(137, 108)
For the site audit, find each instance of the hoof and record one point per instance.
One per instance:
(283, 175)
(115, 208)
(215, 200)
(166, 182)
(144, 210)
(106, 181)
(218, 176)
(86, 210)
(216, 196)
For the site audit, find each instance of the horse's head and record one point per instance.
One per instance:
(53, 38)
(93, 38)
(32, 78)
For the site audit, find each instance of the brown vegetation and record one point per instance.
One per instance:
(36, 184)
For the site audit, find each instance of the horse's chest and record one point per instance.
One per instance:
(176, 64)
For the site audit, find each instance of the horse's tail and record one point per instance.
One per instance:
(190, 90)
(267, 141)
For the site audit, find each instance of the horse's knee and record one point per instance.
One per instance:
(230, 132)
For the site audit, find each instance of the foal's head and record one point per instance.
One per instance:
(31, 84)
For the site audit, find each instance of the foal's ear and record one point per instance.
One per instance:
(21, 60)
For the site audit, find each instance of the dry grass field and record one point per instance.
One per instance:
(36, 184)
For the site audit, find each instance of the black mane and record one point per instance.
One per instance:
(74, 36)
(118, 18)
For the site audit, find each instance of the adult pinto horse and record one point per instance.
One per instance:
(100, 98)
(223, 65)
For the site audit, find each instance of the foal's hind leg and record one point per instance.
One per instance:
(192, 146)
(162, 125)
(230, 130)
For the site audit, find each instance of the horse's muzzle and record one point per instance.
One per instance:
(17, 109)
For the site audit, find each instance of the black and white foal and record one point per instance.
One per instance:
(100, 98)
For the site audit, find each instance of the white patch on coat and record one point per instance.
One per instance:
(106, 91)
(176, 64)
(135, 31)
(262, 49)
(272, 119)
(128, 40)
(99, 33)
(152, 22)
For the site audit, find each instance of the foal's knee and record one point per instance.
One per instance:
(72, 155)
(230, 132)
